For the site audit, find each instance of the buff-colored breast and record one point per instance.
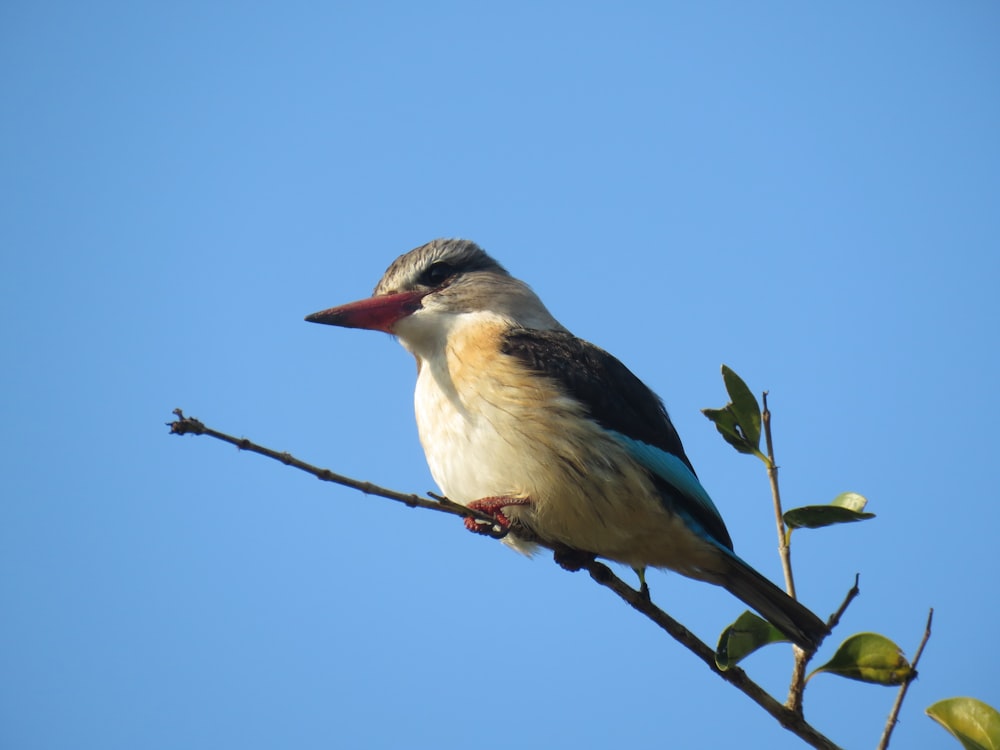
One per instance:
(490, 427)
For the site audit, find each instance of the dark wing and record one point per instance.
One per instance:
(617, 400)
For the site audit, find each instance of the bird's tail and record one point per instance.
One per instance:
(786, 614)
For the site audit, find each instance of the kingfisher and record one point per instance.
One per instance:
(548, 434)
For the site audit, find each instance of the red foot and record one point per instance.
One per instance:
(493, 506)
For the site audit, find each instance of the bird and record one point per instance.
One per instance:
(548, 434)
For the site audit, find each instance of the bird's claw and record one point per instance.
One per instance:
(492, 506)
(643, 586)
(497, 529)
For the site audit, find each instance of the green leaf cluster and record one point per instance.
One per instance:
(866, 657)
(738, 421)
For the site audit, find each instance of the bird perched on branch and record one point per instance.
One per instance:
(553, 437)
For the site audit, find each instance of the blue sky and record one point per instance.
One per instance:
(806, 194)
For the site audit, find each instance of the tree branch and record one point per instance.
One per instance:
(796, 689)
(797, 685)
(790, 719)
(834, 620)
(191, 426)
(784, 549)
(894, 714)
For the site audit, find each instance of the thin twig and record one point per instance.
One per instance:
(851, 595)
(890, 724)
(791, 720)
(797, 685)
(191, 426)
(784, 549)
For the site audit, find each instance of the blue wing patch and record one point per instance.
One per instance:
(622, 404)
(694, 500)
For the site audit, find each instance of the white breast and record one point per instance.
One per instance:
(467, 430)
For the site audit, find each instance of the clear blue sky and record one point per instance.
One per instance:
(807, 194)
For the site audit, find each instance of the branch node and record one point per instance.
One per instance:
(185, 425)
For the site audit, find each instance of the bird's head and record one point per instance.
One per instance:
(431, 288)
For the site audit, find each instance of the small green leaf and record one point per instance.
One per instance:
(846, 507)
(725, 422)
(817, 516)
(973, 723)
(868, 657)
(744, 406)
(850, 500)
(738, 421)
(743, 637)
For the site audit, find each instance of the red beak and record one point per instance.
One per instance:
(375, 313)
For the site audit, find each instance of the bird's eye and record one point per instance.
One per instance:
(437, 274)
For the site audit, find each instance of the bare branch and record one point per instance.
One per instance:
(191, 426)
(851, 595)
(797, 686)
(791, 720)
(784, 549)
(894, 714)
(796, 689)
